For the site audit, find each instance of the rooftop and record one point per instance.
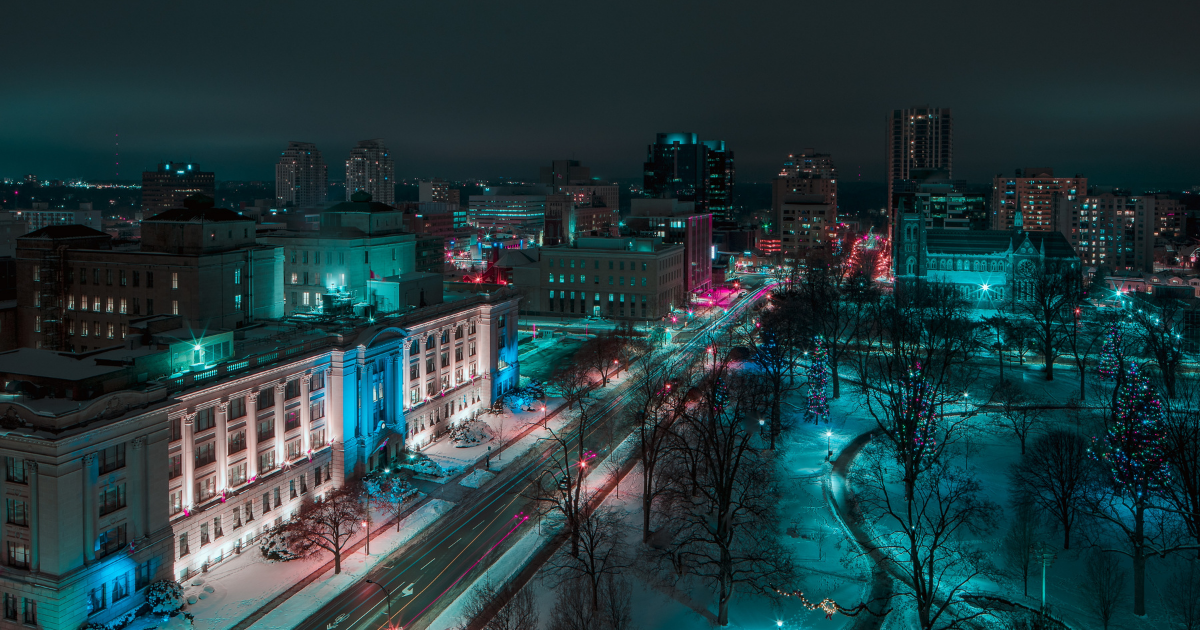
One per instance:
(65, 231)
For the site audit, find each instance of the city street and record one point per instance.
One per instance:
(432, 566)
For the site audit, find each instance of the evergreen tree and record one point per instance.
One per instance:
(818, 382)
(1110, 354)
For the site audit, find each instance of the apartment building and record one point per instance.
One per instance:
(677, 223)
(1113, 229)
(42, 215)
(1028, 199)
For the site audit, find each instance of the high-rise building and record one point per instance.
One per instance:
(521, 208)
(564, 173)
(804, 204)
(42, 215)
(918, 138)
(301, 176)
(1109, 228)
(1028, 199)
(372, 170)
(679, 165)
(173, 182)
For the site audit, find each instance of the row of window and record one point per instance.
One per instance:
(111, 592)
(123, 306)
(271, 499)
(583, 264)
(22, 608)
(122, 277)
(620, 280)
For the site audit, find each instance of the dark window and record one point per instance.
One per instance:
(112, 458)
(174, 466)
(176, 429)
(237, 407)
(15, 470)
(10, 606)
(292, 389)
(266, 398)
(206, 454)
(318, 381)
(110, 541)
(137, 276)
(266, 429)
(112, 498)
(16, 512)
(237, 441)
(123, 282)
(137, 306)
(96, 276)
(83, 275)
(108, 277)
(149, 301)
(205, 419)
(149, 279)
(291, 420)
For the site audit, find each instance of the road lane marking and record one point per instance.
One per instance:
(455, 542)
(477, 525)
(429, 563)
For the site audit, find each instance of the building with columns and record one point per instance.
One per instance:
(243, 436)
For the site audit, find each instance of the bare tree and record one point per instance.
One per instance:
(1104, 579)
(1181, 597)
(325, 525)
(1182, 424)
(1017, 546)
(571, 610)
(724, 526)
(1054, 475)
(390, 495)
(1160, 330)
(616, 610)
(1042, 294)
(1082, 338)
(600, 552)
(925, 538)
(487, 605)
(603, 353)
(1016, 412)
(833, 300)
(775, 342)
(658, 402)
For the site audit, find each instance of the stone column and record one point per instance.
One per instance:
(189, 460)
(335, 418)
(222, 446)
(251, 435)
(395, 390)
(280, 387)
(305, 413)
(35, 524)
(90, 474)
(136, 490)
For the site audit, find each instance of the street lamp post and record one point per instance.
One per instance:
(367, 523)
(829, 445)
(387, 596)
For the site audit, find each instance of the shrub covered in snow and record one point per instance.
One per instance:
(274, 547)
(420, 463)
(470, 433)
(164, 596)
(523, 397)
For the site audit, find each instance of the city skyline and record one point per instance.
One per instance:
(1118, 115)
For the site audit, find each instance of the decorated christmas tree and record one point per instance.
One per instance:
(1134, 447)
(818, 382)
(1110, 354)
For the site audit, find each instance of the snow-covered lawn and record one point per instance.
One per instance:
(476, 478)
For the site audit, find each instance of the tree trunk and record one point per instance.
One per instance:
(775, 415)
(726, 588)
(1066, 536)
(337, 560)
(1139, 562)
(1047, 349)
(837, 385)
(1082, 391)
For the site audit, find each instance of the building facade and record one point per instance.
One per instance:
(372, 170)
(169, 475)
(1111, 229)
(677, 223)
(625, 278)
(301, 176)
(1029, 199)
(42, 215)
(202, 264)
(173, 182)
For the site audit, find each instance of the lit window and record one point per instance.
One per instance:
(306, 298)
(123, 306)
(237, 302)
(174, 280)
(109, 306)
(174, 307)
(237, 276)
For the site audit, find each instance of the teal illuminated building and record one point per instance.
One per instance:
(681, 166)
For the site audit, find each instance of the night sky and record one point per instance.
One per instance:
(1107, 89)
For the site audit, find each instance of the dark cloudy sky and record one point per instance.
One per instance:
(485, 89)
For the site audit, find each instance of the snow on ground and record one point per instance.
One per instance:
(476, 478)
(454, 458)
(354, 568)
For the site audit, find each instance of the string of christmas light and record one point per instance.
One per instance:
(917, 408)
(1110, 359)
(1134, 446)
(828, 606)
(818, 381)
